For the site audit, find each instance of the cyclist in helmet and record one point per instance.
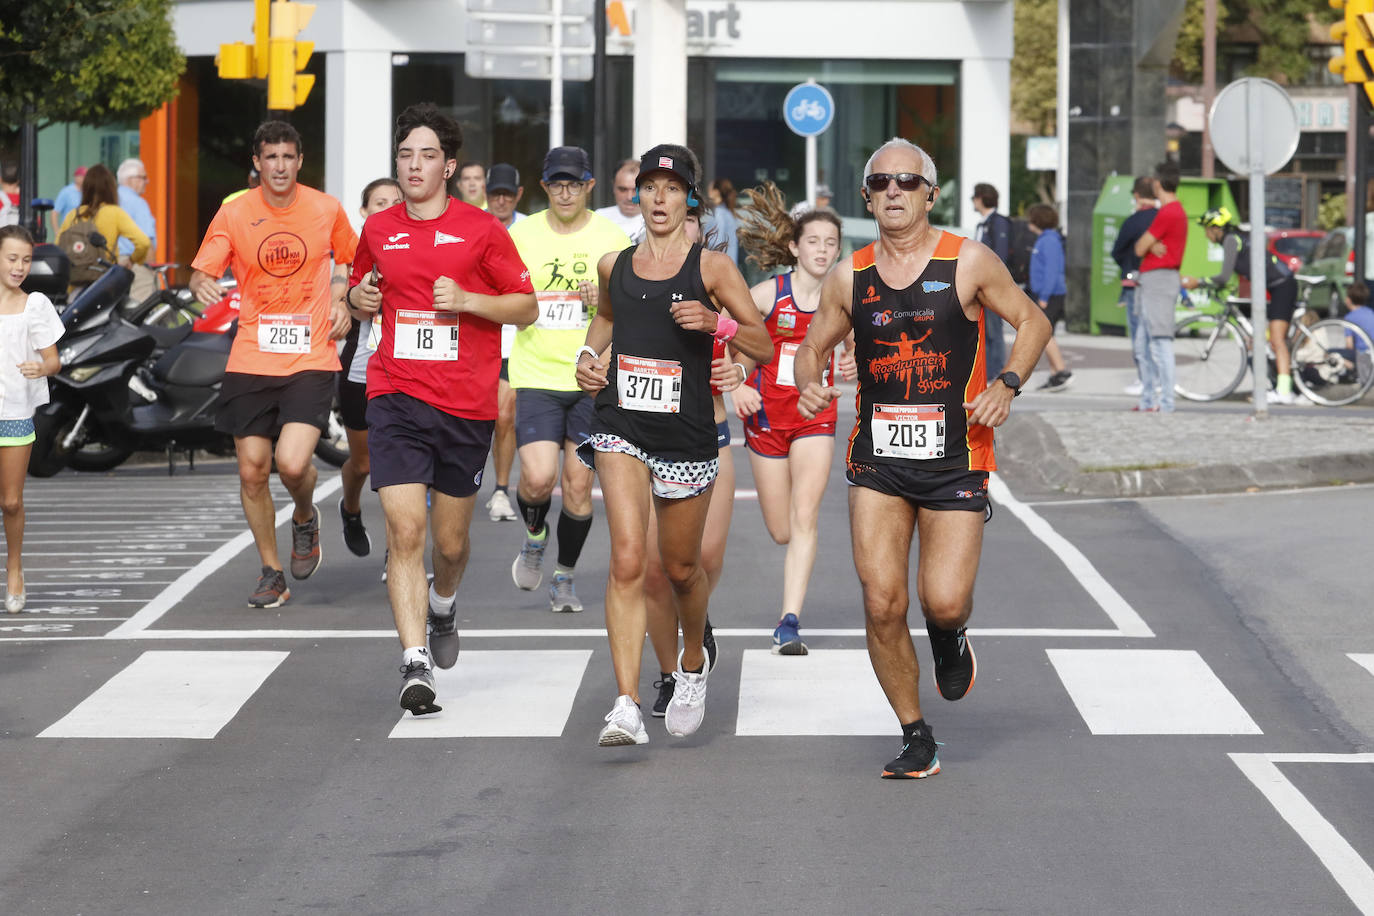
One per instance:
(1222, 229)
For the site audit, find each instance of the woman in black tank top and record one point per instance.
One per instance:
(661, 305)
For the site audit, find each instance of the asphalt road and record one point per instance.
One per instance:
(1174, 713)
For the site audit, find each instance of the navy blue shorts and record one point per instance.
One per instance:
(409, 441)
(956, 489)
(552, 416)
(723, 434)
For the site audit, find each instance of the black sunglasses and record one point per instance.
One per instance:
(907, 181)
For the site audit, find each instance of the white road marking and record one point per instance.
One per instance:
(169, 694)
(1117, 609)
(571, 633)
(502, 695)
(1149, 692)
(152, 612)
(824, 693)
(1364, 660)
(1351, 872)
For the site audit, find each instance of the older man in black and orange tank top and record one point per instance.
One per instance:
(921, 447)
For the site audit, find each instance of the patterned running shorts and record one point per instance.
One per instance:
(671, 479)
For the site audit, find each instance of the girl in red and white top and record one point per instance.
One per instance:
(790, 455)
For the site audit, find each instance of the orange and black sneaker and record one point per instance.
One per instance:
(955, 665)
(918, 758)
(271, 590)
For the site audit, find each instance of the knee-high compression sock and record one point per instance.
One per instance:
(533, 513)
(572, 534)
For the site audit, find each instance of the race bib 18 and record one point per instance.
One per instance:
(284, 333)
(653, 385)
(560, 311)
(914, 431)
(422, 334)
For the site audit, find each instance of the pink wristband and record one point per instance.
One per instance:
(725, 328)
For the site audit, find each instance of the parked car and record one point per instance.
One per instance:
(1334, 258)
(1293, 246)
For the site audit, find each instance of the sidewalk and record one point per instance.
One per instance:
(1086, 441)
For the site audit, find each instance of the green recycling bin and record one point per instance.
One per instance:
(1114, 204)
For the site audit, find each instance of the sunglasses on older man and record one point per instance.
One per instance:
(907, 181)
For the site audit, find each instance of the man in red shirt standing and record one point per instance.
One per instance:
(439, 277)
(1161, 250)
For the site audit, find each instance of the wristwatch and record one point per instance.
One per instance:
(1012, 381)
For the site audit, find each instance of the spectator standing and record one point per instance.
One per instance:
(625, 211)
(1123, 252)
(133, 181)
(472, 184)
(1047, 286)
(99, 205)
(1161, 251)
(994, 231)
(68, 199)
(9, 181)
(724, 200)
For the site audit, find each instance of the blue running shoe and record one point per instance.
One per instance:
(787, 637)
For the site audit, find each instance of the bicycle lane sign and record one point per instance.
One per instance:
(808, 109)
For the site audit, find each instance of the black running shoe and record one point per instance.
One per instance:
(708, 642)
(443, 639)
(355, 534)
(417, 689)
(665, 694)
(918, 758)
(955, 665)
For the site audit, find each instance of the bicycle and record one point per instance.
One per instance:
(1332, 359)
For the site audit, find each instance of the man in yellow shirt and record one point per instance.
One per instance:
(561, 247)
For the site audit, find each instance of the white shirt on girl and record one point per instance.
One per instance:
(22, 336)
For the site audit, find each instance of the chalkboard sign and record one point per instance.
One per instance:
(1283, 201)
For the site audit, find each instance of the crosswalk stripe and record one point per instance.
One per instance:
(1149, 692)
(825, 693)
(502, 695)
(169, 694)
(1364, 659)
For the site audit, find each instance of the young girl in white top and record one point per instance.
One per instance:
(29, 330)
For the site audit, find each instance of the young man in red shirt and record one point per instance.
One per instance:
(1161, 251)
(439, 277)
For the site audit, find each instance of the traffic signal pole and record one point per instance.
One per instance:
(1362, 119)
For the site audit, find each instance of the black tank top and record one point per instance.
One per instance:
(658, 391)
(920, 358)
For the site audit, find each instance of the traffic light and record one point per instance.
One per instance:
(1355, 32)
(287, 86)
(239, 61)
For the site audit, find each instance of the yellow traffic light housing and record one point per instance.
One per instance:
(1355, 33)
(235, 61)
(287, 86)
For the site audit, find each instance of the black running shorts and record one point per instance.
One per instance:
(352, 403)
(260, 405)
(956, 489)
(552, 416)
(409, 441)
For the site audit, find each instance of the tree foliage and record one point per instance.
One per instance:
(1034, 65)
(1280, 25)
(86, 61)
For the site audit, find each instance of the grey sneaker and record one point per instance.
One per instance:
(443, 639)
(417, 689)
(624, 725)
(305, 546)
(528, 568)
(271, 590)
(562, 598)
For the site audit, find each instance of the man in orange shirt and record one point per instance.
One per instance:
(279, 383)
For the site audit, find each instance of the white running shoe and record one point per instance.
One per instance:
(624, 725)
(499, 508)
(688, 706)
(1134, 389)
(1280, 397)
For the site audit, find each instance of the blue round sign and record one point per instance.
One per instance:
(808, 109)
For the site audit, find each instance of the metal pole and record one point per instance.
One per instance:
(28, 172)
(1061, 113)
(1209, 83)
(600, 135)
(556, 79)
(811, 169)
(1360, 115)
(1259, 357)
(1352, 152)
